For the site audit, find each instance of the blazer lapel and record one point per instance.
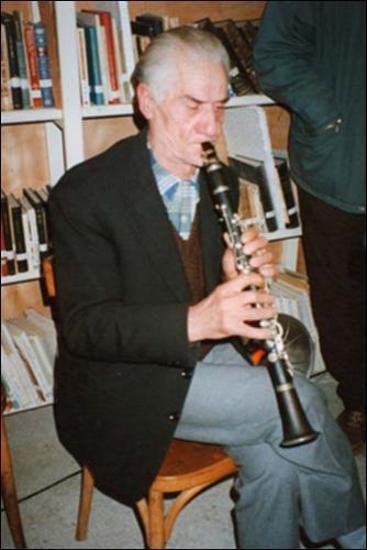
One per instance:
(150, 218)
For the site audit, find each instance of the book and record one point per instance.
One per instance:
(39, 340)
(4, 265)
(29, 352)
(18, 232)
(41, 221)
(96, 88)
(105, 20)
(31, 233)
(242, 51)
(18, 373)
(253, 170)
(31, 54)
(43, 63)
(6, 96)
(83, 69)
(250, 208)
(9, 244)
(288, 189)
(22, 60)
(16, 92)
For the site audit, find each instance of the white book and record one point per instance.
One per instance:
(17, 370)
(42, 342)
(34, 238)
(44, 324)
(13, 393)
(83, 68)
(28, 239)
(31, 356)
(119, 71)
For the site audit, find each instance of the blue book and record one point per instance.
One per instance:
(94, 66)
(40, 38)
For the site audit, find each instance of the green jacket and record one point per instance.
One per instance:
(310, 57)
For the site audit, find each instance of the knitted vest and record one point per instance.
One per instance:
(190, 251)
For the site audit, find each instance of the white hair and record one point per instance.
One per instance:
(157, 66)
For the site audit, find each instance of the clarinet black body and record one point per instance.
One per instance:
(296, 428)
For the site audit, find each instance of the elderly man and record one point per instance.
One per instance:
(151, 308)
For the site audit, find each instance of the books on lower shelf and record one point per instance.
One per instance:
(291, 294)
(25, 236)
(28, 351)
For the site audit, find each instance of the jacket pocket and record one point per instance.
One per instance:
(317, 156)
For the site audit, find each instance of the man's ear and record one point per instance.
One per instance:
(146, 102)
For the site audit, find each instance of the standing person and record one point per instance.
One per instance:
(150, 305)
(310, 56)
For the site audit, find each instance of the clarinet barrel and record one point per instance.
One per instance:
(296, 428)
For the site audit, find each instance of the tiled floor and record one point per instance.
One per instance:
(43, 469)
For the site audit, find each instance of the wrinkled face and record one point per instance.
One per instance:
(190, 113)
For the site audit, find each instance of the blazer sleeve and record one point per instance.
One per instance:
(94, 321)
(284, 60)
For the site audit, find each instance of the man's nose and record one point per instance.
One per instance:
(209, 123)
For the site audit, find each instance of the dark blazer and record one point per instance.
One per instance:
(124, 363)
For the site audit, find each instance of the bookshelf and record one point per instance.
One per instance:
(40, 144)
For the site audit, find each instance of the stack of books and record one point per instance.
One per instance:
(25, 235)
(148, 25)
(28, 351)
(102, 64)
(26, 80)
(238, 39)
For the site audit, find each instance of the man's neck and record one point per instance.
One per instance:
(175, 167)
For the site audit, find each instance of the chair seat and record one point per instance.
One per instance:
(188, 464)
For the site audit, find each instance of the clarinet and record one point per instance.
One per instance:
(296, 428)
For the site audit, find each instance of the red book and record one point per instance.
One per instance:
(31, 53)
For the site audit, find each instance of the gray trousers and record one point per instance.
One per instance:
(315, 485)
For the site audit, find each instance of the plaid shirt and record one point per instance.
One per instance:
(179, 196)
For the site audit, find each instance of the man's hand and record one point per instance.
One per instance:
(255, 246)
(229, 309)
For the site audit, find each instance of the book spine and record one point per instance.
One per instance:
(114, 92)
(288, 193)
(41, 222)
(8, 237)
(43, 62)
(31, 53)
(94, 67)
(83, 69)
(4, 264)
(20, 247)
(15, 87)
(22, 63)
(6, 98)
(257, 175)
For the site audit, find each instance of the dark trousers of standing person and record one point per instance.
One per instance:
(334, 249)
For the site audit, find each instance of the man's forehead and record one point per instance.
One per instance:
(192, 97)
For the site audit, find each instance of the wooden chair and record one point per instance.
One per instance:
(8, 490)
(188, 468)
